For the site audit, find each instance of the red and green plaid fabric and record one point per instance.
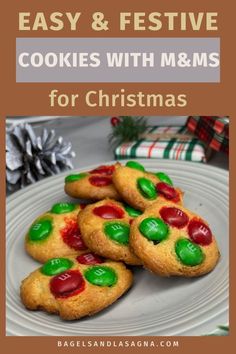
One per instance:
(190, 149)
(214, 131)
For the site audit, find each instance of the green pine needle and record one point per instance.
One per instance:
(224, 328)
(129, 129)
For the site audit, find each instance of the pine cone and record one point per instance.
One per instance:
(30, 158)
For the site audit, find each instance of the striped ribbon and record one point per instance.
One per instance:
(189, 148)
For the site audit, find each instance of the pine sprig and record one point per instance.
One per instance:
(128, 129)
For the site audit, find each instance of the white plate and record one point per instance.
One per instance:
(154, 305)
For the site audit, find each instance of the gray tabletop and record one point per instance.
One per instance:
(88, 136)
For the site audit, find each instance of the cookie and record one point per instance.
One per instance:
(55, 233)
(95, 184)
(105, 228)
(141, 189)
(171, 240)
(74, 287)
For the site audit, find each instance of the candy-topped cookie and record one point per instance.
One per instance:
(74, 287)
(141, 189)
(55, 233)
(105, 229)
(172, 240)
(95, 184)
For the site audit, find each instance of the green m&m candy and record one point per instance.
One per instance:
(147, 188)
(118, 232)
(62, 208)
(136, 165)
(75, 177)
(132, 212)
(40, 230)
(189, 253)
(154, 229)
(56, 265)
(163, 177)
(101, 276)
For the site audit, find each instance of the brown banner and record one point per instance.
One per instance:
(23, 99)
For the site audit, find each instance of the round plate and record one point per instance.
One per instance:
(154, 305)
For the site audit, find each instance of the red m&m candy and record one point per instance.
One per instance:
(109, 212)
(100, 181)
(67, 284)
(166, 190)
(103, 170)
(199, 232)
(89, 258)
(72, 237)
(174, 217)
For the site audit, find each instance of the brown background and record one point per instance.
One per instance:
(31, 99)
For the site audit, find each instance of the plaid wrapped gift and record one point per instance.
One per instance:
(172, 142)
(212, 130)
